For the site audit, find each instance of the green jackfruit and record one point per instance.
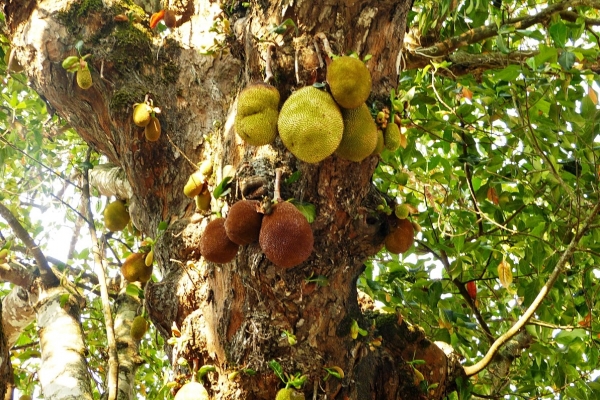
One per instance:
(139, 326)
(116, 216)
(84, 77)
(289, 394)
(360, 134)
(380, 143)
(257, 112)
(152, 130)
(134, 268)
(192, 391)
(194, 185)
(310, 124)
(141, 114)
(349, 81)
(391, 136)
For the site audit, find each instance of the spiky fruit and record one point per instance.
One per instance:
(401, 237)
(194, 185)
(289, 394)
(310, 124)
(285, 236)
(152, 130)
(380, 143)
(215, 246)
(349, 81)
(243, 222)
(84, 77)
(360, 134)
(256, 118)
(141, 114)
(139, 326)
(192, 391)
(116, 216)
(391, 136)
(134, 268)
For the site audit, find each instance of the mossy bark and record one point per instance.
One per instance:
(235, 314)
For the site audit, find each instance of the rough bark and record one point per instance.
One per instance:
(6, 375)
(235, 314)
(18, 313)
(63, 371)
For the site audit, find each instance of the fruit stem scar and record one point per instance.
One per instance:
(326, 46)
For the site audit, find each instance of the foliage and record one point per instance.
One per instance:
(501, 165)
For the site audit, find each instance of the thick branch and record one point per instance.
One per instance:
(99, 262)
(110, 180)
(558, 270)
(46, 273)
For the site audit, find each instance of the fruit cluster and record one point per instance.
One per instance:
(313, 123)
(282, 231)
(144, 116)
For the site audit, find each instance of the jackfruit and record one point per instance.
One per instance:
(84, 77)
(116, 216)
(203, 199)
(310, 124)
(215, 246)
(285, 236)
(360, 134)
(194, 185)
(401, 237)
(139, 326)
(134, 268)
(289, 394)
(349, 80)
(256, 117)
(243, 222)
(192, 391)
(25, 397)
(391, 136)
(152, 130)
(380, 143)
(141, 114)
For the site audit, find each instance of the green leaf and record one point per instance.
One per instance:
(293, 177)
(308, 210)
(566, 60)
(276, 367)
(222, 190)
(559, 33)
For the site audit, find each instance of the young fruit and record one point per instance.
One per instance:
(285, 236)
(134, 268)
(152, 130)
(84, 77)
(215, 246)
(380, 143)
(203, 200)
(310, 124)
(401, 237)
(391, 136)
(194, 185)
(243, 222)
(289, 394)
(141, 114)
(192, 391)
(349, 80)
(116, 216)
(257, 113)
(139, 326)
(360, 134)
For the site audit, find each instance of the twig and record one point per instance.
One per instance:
(113, 361)
(326, 45)
(46, 273)
(277, 191)
(181, 151)
(268, 70)
(558, 270)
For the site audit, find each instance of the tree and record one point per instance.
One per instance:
(497, 171)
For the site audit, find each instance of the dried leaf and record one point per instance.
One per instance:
(467, 93)
(505, 274)
(492, 195)
(403, 141)
(586, 322)
(472, 289)
(592, 95)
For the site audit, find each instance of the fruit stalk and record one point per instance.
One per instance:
(277, 191)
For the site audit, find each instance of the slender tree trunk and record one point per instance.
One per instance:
(235, 314)
(63, 372)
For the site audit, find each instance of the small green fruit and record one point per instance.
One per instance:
(360, 134)
(194, 185)
(257, 113)
(152, 130)
(141, 114)
(203, 200)
(402, 211)
(380, 143)
(289, 394)
(139, 326)
(71, 63)
(116, 216)
(134, 268)
(84, 77)
(391, 136)
(149, 258)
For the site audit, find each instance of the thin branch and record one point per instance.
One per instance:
(469, 177)
(16, 274)
(48, 277)
(99, 262)
(558, 270)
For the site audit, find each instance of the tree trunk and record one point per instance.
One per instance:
(235, 314)
(6, 375)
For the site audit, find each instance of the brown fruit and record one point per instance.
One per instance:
(152, 130)
(215, 246)
(134, 268)
(170, 18)
(243, 222)
(285, 236)
(401, 238)
(116, 216)
(192, 391)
